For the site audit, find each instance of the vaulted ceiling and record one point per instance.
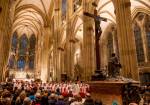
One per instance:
(31, 15)
(106, 9)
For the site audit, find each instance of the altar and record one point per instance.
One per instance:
(21, 75)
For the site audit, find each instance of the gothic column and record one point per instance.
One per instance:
(69, 41)
(62, 60)
(88, 41)
(38, 57)
(126, 39)
(5, 31)
(45, 53)
(56, 37)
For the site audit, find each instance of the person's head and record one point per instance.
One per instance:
(60, 97)
(52, 96)
(88, 95)
(78, 98)
(113, 54)
(6, 101)
(22, 95)
(6, 94)
(38, 95)
(32, 92)
(27, 101)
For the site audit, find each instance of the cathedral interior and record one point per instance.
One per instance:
(48, 39)
(55, 40)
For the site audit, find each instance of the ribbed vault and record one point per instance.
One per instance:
(30, 16)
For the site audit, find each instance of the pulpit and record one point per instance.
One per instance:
(108, 92)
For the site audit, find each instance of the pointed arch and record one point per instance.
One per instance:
(27, 6)
(138, 9)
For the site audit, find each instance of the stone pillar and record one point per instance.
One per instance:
(51, 66)
(38, 58)
(56, 37)
(88, 41)
(45, 53)
(62, 61)
(69, 59)
(5, 31)
(69, 41)
(126, 39)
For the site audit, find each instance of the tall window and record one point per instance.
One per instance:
(147, 27)
(11, 62)
(21, 62)
(139, 44)
(22, 54)
(14, 42)
(23, 46)
(64, 9)
(145, 77)
(32, 43)
(110, 44)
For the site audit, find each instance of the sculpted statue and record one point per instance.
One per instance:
(114, 66)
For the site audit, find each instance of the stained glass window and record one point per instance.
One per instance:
(21, 63)
(31, 62)
(64, 7)
(32, 43)
(24, 49)
(147, 27)
(23, 44)
(14, 42)
(110, 44)
(139, 44)
(11, 61)
(145, 77)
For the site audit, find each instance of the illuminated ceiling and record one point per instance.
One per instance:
(31, 15)
(106, 9)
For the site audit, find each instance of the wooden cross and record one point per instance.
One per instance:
(98, 31)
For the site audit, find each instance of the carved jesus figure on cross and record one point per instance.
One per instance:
(98, 31)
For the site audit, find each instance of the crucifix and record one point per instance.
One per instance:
(98, 31)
